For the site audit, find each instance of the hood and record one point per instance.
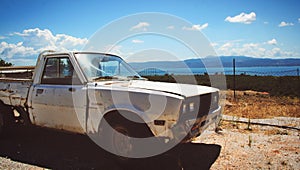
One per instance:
(185, 90)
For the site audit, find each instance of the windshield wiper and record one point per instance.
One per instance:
(118, 78)
(105, 78)
(135, 77)
(110, 78)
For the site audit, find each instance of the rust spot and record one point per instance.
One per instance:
(108, 83)
(15, 98)
(111, 83)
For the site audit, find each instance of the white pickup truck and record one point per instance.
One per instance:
(77, 91)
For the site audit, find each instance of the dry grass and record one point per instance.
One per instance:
(251, 104)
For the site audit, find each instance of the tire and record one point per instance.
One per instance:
(2, 127)
(122, 145)
(117, 134)
(6, 119)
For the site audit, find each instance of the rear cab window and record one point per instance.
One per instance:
(59, 71)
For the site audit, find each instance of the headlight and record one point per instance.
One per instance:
(215, 100)
(192, 106)
(183, 108)
(188, 107)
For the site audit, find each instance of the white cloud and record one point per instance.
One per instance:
(137, 41)
(285, 24)
(7, 51)
(68, 41)
(140, 26)
(299, 20)
(42, 39)
(276, 52)
(272, 42)
(226, 46)
(36, 40)
(250, 45)
(242, 18)
(197, 27)
(261, 50)
(171, 27)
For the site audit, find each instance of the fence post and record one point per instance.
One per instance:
(234, 96)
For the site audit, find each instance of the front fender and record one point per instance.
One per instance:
(146, 104)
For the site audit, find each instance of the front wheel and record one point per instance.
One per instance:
(121, 141)
(123, 137)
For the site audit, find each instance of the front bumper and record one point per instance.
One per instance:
(190, 129)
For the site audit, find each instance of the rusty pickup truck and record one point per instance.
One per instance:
(77, 91)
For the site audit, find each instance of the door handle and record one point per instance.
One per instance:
(39, 91)
(71, 89)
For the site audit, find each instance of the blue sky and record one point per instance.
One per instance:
(268, 28)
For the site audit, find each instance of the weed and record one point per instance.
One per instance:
(250, 141)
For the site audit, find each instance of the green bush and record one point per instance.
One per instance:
(4, 63)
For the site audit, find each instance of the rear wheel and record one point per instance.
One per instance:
(6, 119)
(1, 124)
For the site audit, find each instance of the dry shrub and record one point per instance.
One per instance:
(251, 104)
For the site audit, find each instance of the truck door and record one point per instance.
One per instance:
(59, 100)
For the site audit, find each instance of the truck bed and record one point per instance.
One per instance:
(24, 72)
(14, 84)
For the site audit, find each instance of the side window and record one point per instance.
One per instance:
(59, 71)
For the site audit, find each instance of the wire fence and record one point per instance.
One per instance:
(294, 72)
(227, 71)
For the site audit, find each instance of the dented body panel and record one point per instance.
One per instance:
(108, 97)
(78, 104)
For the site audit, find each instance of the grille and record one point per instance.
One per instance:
(201, 106)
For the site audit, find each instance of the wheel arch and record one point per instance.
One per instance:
(116, 115)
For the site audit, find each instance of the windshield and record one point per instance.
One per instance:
(97, 67)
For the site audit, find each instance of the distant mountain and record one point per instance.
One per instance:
(241, 61)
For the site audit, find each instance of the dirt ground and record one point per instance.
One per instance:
(237, 146)
(257, 147)
(34, 148)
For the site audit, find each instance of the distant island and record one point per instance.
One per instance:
(241, 61)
